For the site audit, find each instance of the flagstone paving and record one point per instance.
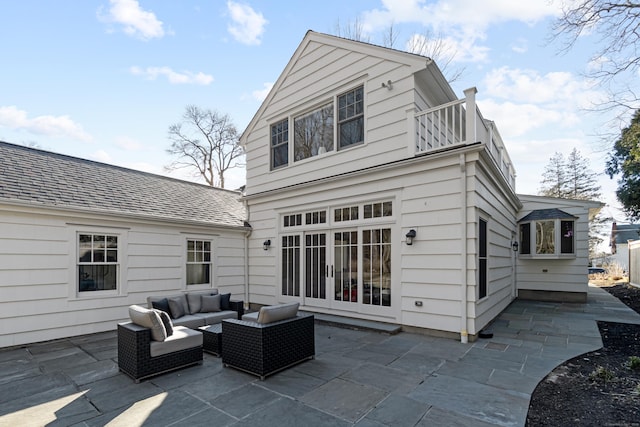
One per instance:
(358, 378)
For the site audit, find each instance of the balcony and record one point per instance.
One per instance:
(448, 125)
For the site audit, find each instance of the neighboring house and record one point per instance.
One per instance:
(80, 241)
(375, 193)
(620, 236)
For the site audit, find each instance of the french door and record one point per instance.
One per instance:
(345, 269)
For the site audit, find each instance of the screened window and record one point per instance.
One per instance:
(351, 118)
(97, 262)
(313, 133)
(198, 262)
(280, 144)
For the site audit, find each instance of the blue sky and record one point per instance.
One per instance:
(104, 79)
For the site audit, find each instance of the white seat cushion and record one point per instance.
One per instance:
(182, 339)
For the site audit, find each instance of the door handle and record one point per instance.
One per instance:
(332, 271)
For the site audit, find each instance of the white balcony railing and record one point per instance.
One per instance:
(448, 125)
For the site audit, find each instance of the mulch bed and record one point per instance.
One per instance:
(601, 388)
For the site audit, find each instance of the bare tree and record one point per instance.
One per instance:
(616, 24)
(352, 30)
(434, 46)
(206, 142)
(426, 44)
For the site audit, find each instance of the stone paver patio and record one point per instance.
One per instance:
(361, 378)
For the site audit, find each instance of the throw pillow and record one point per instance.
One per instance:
(273, 313)
(166, 321)
(162, 304)
(148, 318)
(224, 302)
(210, 303)
(176, 308)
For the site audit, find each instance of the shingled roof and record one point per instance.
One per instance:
(42, 178)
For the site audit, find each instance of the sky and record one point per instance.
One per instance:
(104, 79)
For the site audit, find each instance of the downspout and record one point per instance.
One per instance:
(464, 334)
(246, 257)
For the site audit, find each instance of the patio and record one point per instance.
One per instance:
(358, 377)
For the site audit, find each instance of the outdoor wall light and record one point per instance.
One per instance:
(410, 236)
(266, 244)
(515, 246)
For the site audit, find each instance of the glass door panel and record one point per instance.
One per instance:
(376, 266)
(345, 248)
(290, 268)
(315, 281)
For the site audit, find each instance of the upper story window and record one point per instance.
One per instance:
(351, 118)
(313, 133)
(547, 233)
(280, 144)
(318, 217)
(97, 262)
(198, 262)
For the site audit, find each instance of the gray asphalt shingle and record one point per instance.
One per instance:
(44, 178)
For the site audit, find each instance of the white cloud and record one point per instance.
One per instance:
(261, 94)
(514, 120)
(174, 77)
(61, 126)
(447, 49)
(464, 22)
(136, 22)
(471, 16)
(247, 25)
(520, 45)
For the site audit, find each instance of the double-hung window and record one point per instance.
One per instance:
(98, 262)
(313, 133)
(351, 118)
(280, 144)
(198, 262)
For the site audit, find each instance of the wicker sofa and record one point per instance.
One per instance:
(199, 308)
(267, 342)
(149, 345)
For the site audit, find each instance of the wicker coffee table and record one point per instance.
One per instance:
(212, 338)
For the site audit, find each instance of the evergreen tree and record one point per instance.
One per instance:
(571, 178)
(625, 160)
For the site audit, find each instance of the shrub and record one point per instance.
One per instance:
(633, 362)
(601, 373)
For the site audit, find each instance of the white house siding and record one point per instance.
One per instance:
(557, 278)
(426, 195)
(38, 282)
(316, 73)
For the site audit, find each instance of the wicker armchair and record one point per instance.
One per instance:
(134, 354)
(263, 349)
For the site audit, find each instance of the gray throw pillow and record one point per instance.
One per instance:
(148, 318)
(166, 321)
(210, 303)
(176, 308)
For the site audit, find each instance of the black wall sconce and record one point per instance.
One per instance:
(515, 246)
(410, 236)
(266, 245)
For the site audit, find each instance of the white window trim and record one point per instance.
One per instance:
(557, 236)
(213, 279)
(122, 286)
